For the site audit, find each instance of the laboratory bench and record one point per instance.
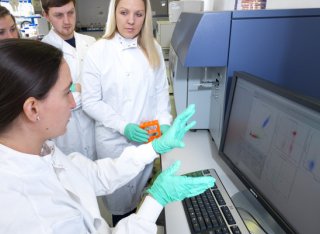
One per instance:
(200, 152)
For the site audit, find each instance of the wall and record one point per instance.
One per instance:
(96, 11)
(159, 8)
(92, 12)
(220, 5)
(278, 4)
(271, 4)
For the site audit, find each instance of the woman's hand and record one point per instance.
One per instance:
(174, 136)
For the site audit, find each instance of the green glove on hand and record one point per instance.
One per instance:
(134, 133)
(173, 137)
(168, 187)
(164, 128)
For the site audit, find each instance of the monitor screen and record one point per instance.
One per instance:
(271, 139)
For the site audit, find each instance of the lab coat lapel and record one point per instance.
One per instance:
(88, 201)
(82, 45)
(63, 177)
(68, 49)
(54, 39)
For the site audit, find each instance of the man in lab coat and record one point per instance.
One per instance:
(79, 136)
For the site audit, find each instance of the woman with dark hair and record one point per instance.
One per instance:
(8, 27)
(42, 190)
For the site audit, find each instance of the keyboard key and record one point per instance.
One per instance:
(208, 222)
(228, 215)
(208, 212)
(196, 227)
(225, 230)
(206, 172)
(235, 230)
(219, 197)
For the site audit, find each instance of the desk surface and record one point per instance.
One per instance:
(199, 153)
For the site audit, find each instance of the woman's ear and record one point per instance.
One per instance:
(31, 109)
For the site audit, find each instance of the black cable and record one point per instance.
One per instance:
(256, 221)
(22, 24)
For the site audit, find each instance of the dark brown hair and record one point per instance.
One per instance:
(46, 4)
(4, 12)
(28, 68)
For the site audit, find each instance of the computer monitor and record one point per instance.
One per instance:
(271, 139)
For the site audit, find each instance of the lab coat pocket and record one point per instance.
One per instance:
(71, 225)
(150, 107)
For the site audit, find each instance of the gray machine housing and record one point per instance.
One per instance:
(207, 48)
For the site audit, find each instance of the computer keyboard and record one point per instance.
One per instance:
(213, 211)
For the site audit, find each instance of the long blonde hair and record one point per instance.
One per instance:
(146, 40)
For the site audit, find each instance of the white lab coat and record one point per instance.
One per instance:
(79, 136)
(120, 87)
(55, 194)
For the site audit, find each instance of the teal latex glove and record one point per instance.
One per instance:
(134, 133)
(174, 136)
(164, 128)
(168, 187)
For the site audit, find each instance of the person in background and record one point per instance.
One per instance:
(124, 84)
(62, 16)
(8, 26)
(42, 190)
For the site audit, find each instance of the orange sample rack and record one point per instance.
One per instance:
(153, 129)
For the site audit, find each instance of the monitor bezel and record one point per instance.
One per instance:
(293, 96)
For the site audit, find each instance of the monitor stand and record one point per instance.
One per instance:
(252, 212)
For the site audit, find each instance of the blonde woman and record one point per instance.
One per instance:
(124, 84)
